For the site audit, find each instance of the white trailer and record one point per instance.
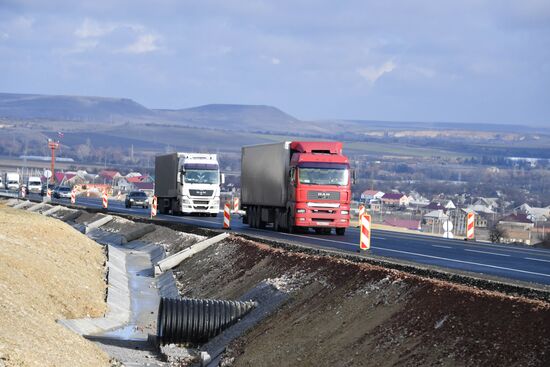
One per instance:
(188, 183)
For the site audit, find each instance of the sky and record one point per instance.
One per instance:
(485, 61)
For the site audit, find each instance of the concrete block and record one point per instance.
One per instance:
(98, 223)
(52, 210)
(174, 260)
(138, 232)
(23, 204)
(36, 207)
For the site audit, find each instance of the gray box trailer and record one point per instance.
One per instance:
(166, 175)
(265, 174)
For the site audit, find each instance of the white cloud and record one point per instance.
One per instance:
(373, 73)
(145, 43)
(275, 61)
(92, 29)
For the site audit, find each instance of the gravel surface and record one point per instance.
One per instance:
(342, 313)
(48, 271)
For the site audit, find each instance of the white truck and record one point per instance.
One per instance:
(34, 184)
(188, 183)
(12, 181)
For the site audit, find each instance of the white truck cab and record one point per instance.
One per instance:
(188, 183)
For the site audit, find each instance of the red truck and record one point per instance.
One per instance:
(296, 185)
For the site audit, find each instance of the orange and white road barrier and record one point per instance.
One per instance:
(119, 195)
(154, 207)
(23, 191)
(49, 193)
(365, 232)
(73, 196)
(362, 210)
(87, 193)
(470, 226)
(226, 216)
(105, 200)
(236, 204)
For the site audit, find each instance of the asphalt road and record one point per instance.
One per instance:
(513, 262)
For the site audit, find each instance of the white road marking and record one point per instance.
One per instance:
(466, 262)
(486, 252)
(441, 246)
(531, 258)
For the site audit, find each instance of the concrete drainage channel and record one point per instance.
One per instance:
(296, 306)
(145, 313)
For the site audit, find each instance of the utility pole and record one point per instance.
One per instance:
(53, 145)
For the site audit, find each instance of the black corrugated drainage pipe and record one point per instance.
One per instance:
(190, 320)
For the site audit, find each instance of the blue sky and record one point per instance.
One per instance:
(471, 61)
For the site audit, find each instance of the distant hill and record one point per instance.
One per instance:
(69, 108)
(233, 117)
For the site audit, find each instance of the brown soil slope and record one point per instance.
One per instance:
(48, 271)
(346, 314)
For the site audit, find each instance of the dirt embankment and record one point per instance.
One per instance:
(48, 271)
(346, 314)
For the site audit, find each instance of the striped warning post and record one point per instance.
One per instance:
(105, 200)
(119, 196)
(470, 226)
(49, 193)
(365, 232)
(226, 217)
(236, 204)
(361, 210)
(154, 207)
(73, 196)
(23, 191)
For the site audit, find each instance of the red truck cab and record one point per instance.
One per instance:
(320, 190)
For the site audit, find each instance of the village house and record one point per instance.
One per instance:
(368, 195)
(391, 199)
(517, 228)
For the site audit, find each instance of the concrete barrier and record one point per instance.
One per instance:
(98, 223)
(174, 260)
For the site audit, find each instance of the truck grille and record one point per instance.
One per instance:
(200, 202)
(323, 195)
(194, 192)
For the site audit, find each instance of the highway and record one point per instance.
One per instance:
(512, 262)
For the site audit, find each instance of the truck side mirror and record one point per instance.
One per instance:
(222, 178)
(353, 177)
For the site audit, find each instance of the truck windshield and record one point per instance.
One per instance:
(201, 173)
(323, 174)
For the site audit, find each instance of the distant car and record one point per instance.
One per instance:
(136, 198)
(62, 192)
(45, 188)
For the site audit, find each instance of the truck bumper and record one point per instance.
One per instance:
(321, 217)
(200, 205)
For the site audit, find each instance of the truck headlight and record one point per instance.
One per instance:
(345, 212)
(300, 211)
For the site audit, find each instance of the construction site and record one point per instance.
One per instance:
(82, 287)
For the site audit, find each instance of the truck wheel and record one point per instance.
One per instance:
(340, 231)
(290, 226)
(261, 223)
(276, 225)
(253, 217)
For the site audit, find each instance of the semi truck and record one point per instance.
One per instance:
(296, 185)
(11, 181)
(188, 183)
